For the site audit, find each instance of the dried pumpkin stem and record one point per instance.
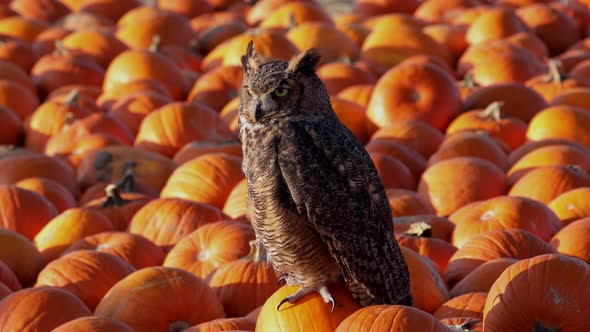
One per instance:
(113, 197)
(555, 73)
(420, 229)
(493, 111)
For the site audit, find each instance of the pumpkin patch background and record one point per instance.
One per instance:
(123, 203)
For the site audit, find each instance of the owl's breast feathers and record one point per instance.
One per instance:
(328, 178)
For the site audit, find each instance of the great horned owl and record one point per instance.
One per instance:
(315, 199)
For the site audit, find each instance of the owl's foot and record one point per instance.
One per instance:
(301, 292)
(285, 279)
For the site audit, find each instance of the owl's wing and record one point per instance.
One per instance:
(331, 179)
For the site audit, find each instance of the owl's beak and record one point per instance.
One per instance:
(256, 112)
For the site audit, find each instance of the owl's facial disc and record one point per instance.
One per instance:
(262, 106)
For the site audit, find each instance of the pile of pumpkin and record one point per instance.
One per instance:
(123, 203)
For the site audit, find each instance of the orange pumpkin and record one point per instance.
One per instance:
(428, 225)
(449, 35)
(394, 174)
(295, 12)
(391, 318)
(132, 110)
(482, 277)
(13, 131)
(21, 256)
(426, 284)
(330, 43)
(18, 98)
(217, 87)
(236, 205)
(93, 324)
(224, 324)
(408, 156)
(430, 95)
(571, 205)
(44, 10)
(465, 305)
(405, 202)
(132, 248)
(181, 217)
(4, 291)
(358, 93)
(145, 290)
(8, 279)
(442, 10)
(547, 182)
(340, 75)
(506, 243)
(416, 134)
(250, 278)
(101, 46)
(196, 149)
(67, 228)
(53, 191)
(524, 303)
(494, 24)
(168, 128)
(437, 250)
(571, 58)
(18, 52)
(309, 314)
(22, 27)
(11, 72)
(24, 211)
(210, 246)
(503, 212)
(192, 180)
(530, 146)
(575, 97)
(573, 240)
(87, 274)
(554, 82)
(108, 98)
(470, 144)
(50, 306)
(451, 184)
(377, 7)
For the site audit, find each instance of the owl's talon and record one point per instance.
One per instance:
(282, 279)
(328, 298)
(301, 292)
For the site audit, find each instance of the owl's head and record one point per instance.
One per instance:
(272, 89)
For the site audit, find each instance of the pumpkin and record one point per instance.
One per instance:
(21, 256)
(354, 30)
(430, 95)
(295, 12)
(24, 211)
(441, 10)
(451, 36)
(571, 205)
(269, 43)
(127, 184)
(492, 120)
(465, 305)
(44, 10)
(330, 43)
(180, 216)
(358, 93)
(530, 146)
(251, 278)
(74, 145)
(4, 291)
(107, 8)
(132, 110)
(482, 277)
(573, 240)
(311, 313)
(524, 304)
(224, 324)
(503, 212)
(132, 248)
(571, 58)
(51, 117)
(494, 24)
(101, 46)
(108, 164)
(93, 324)
(557, 29)
(12, 72)
(50, 306)
(517, 100)
(45, 41)
(88, 94)
(145, 290)
(391, 318)
(203, 22)
(107, 99)
(451, 184)
(192, 180)
(87, 274)
(18, 98)
(18, 52)
(416, 134)
(236, 204)
(530, 42)
(405, 202)
(506, 243)
(408, 156)
(53, 191)
(339, 75)
(577, 97)
(216, 34)
(84, 21)
(218, 86)
(22, 27)
(428, 225)
(437, 250)
(13, 131)
(470, 144)
(196, 149)
(133, 65)
(67, 228)
(393, 173)
(554, 82)
(63, 67)
(8, 279)
(547, 182)
(555, 154)
(170, 127)
(426, 284)
(210, 246)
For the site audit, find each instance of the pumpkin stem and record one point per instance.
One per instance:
(113, 197)
(419, 229)
(156, 44)
(465, 327)
(257, 252)
(73, 97)
(60, 48)
(493, 111)
(555, 71)
(468, 81)
(178, 326)
(540, 328)
(127, 183)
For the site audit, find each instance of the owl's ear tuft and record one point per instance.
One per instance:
(251, 60)
(305, 62)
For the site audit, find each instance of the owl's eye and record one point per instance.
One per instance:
(281, 92)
